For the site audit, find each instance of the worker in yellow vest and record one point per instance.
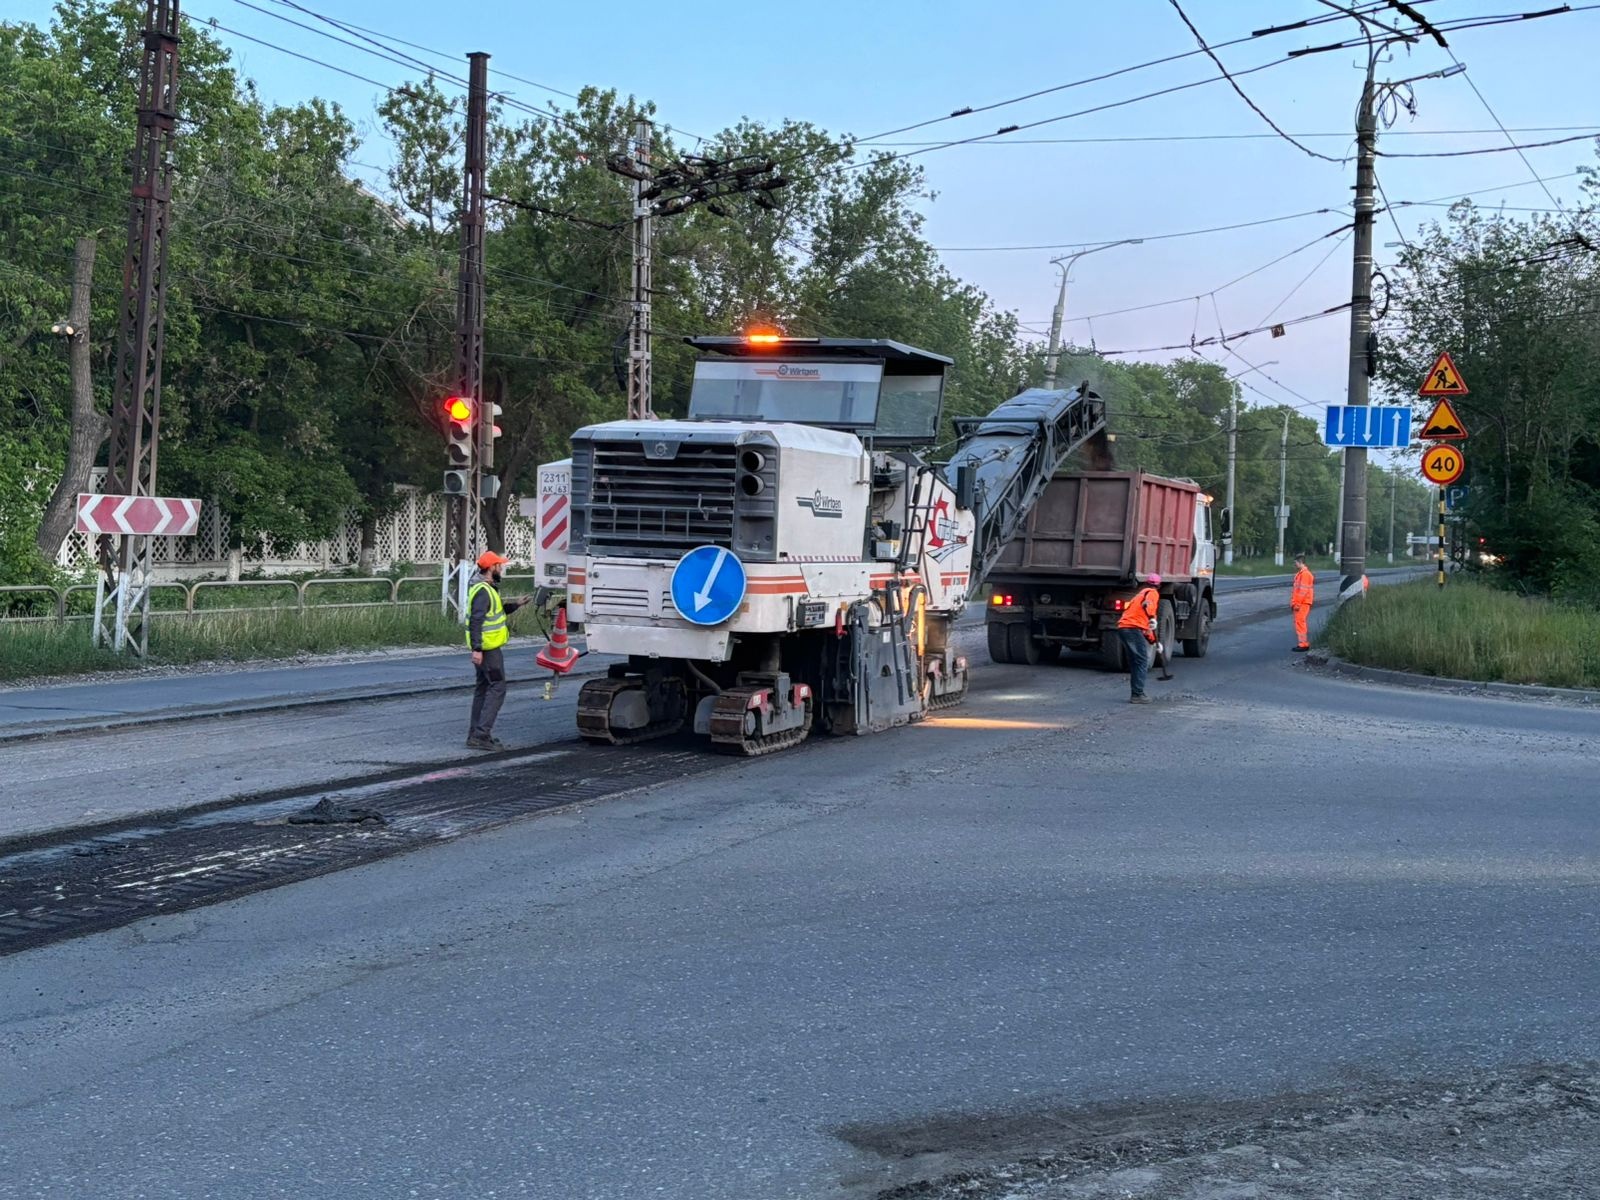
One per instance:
(486, 636)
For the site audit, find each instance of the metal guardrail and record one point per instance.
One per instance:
(298, 597)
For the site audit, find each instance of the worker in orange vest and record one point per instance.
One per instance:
(1137, 629)
(1301, 597)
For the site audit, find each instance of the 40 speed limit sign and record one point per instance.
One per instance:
(1442, 465)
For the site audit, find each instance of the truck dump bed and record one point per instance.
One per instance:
(1105, 525)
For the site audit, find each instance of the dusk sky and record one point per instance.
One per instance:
(1194, 159)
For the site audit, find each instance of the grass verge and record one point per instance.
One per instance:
(36, 650)
(1469, 631)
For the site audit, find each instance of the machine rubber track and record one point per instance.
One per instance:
(594, 714)
(728, 732)
(949, 700)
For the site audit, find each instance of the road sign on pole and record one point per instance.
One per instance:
(1443, 379)
(1455, 497)
(708, 585)
(1442, 465)
(137, 515)
(1443, 425)
(1378, 427)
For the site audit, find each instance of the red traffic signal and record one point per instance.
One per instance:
(458, 409)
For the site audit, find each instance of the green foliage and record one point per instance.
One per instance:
(38, 650)
(1513, 301)
(1469, 631)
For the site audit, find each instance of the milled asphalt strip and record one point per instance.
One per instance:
(35, 731)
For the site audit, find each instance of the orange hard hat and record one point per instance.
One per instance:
(490, 559)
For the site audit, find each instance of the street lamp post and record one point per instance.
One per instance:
(1054, 355)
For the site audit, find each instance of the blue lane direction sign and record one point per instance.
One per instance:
(708, 585)
(1377, 426)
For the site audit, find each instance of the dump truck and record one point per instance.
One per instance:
(1063, 581)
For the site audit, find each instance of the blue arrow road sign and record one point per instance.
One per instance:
(708, 585)
(1377, 427)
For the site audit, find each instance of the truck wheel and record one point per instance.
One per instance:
(999, 644)
(1111, 657)
(1167, 629)
(1022, 646)
(1195, 647)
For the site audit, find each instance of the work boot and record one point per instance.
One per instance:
(484, 743)
(1141, 698)
(1301, 649)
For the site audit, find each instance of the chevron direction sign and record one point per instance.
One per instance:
(99, 513)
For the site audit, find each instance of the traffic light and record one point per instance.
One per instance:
(458, 444)
(492, 419)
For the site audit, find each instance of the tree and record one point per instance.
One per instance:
(1514, 301)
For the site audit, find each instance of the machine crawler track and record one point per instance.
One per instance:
(595, 701)
(730, 730)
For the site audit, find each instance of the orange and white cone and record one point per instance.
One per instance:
(559, 655)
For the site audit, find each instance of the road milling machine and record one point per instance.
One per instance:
(789, 557)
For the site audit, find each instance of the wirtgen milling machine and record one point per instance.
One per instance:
(788, 556)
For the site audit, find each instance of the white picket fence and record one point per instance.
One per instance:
(413, 533)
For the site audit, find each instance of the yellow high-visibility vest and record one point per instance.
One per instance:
(495, 633)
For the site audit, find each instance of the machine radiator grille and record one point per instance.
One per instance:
(638, 505)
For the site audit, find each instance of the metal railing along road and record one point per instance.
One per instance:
(283, 595)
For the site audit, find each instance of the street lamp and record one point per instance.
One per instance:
(1054, 354)
(1233, 455)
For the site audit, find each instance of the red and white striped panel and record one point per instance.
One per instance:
(139, 515)
(555, 521)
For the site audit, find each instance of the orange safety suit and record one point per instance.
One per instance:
(1300, 599)
(1141, 612)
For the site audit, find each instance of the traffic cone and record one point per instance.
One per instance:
(559, 655)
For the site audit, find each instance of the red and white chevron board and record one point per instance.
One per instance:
(98, 513)
(553, 521)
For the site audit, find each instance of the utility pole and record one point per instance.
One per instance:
(464, 508)
(1053, 354)
(1283, 487)
(1394, 479)
(1352, 539)
(1233, 456)
(640, 391)
(674, 188)
(124, 584)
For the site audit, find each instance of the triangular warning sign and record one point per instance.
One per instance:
(1443, 425)
(1443, 379)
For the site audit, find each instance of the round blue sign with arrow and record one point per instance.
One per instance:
(708, 585)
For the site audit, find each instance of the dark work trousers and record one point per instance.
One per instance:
(1136, 649)
(490, 693)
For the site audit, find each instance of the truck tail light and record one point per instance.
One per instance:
(1118, 605)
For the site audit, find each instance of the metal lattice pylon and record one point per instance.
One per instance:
(123, 592)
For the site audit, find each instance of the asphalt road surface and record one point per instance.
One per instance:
(839, 971)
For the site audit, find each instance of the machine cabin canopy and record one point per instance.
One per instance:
(886, 393)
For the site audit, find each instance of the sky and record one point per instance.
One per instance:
(865, 69)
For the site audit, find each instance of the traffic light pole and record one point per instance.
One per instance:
(464, 506)
(124, 584)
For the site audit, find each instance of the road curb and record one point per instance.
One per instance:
(1323, 661)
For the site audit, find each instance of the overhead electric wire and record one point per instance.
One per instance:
(1243, 95)
(973, 110)
(1243, 137)
(1495, 117)
(1155, 237)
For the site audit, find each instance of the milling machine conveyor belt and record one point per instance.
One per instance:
(1011, 454)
